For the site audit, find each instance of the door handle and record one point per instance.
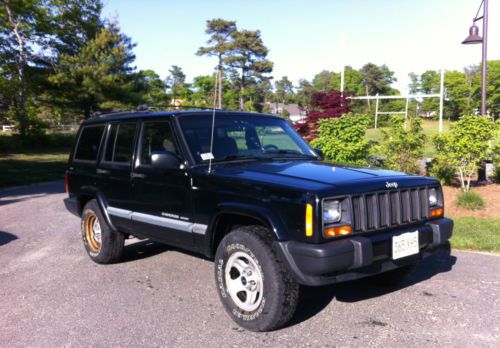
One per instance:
(137, 176)
(102, 171)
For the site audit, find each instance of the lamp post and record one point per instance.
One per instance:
(475, 38)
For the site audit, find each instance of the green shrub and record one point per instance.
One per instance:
(342, 139)
(403, 144)
(39, 141)
(382, 120)
(496, 175)
(465, 146)
(470, 200)
(496, 159)
(445, 173)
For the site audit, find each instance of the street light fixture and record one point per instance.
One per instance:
(475, 38)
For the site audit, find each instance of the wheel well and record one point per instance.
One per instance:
(228, 222)
(84, 198)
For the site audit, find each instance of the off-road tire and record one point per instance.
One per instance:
(280, 292)
(394, 277)
(109, 248)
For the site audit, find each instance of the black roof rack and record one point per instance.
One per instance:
(152, 108)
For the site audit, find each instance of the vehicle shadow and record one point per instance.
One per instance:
(6, 237)
(314, 299)
(142, 249)
(145, 248)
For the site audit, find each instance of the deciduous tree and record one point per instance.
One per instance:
(24, 25)
(403, 144)
(466, 145)
(151, 87)
(323, 105)
(343, 139)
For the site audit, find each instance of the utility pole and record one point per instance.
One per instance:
(441, 101)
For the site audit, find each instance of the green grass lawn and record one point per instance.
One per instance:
(476, 234)
(31, 167)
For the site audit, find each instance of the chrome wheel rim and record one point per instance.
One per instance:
(244, 281)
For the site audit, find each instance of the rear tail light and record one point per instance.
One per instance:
(66, 182)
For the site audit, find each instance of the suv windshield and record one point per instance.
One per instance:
(243, 137)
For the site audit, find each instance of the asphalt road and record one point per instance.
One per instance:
(52, 294)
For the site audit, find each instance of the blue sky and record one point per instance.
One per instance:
(305, 37)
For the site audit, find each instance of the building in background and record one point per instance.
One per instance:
(290, 111)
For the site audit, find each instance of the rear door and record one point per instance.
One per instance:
(113, 172)
(162, 198)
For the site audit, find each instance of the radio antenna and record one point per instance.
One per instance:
(211, 156)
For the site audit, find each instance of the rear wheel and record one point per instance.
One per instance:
(254, 286)
(102, 244)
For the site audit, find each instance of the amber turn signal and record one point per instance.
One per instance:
(309, 220)
(338, 231)
(436, 212)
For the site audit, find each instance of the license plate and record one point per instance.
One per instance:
(404, 245)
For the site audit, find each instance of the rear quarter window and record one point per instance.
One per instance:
(88, 143)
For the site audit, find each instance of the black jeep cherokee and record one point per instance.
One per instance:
(250, 193)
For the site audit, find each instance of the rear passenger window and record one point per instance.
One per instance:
(120, 144)
(88, 144)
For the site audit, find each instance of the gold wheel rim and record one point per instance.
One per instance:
(92, 227)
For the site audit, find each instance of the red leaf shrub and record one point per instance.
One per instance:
(324, 105)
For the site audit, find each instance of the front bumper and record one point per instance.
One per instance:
(358, 256)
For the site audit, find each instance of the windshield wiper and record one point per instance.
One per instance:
(235, 157)
(293, 153)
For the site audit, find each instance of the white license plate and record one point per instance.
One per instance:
(404, 245)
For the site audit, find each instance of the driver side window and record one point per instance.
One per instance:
(157, 136)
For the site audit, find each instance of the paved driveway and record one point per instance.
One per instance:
(52, 295)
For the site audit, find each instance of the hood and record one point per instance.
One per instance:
(309, 174)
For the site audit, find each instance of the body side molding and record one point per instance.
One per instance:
(174, 224)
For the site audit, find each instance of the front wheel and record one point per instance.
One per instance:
(254, 286)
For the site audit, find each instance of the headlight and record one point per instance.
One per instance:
(332, 212)
(432, 197)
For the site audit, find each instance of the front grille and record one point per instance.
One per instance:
(380, 210)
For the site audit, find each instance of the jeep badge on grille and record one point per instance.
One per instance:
(391, 184)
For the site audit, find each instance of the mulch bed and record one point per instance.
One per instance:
(490, 193)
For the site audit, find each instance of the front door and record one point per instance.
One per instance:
(162, 199)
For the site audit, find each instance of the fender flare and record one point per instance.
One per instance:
(101, 202)
(265, 216)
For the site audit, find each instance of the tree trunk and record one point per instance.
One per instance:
(242, 90)
(219, 76)
(21, 62)
(462, 179)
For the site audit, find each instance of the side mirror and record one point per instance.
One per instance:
(165, 160)
(319, 152)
